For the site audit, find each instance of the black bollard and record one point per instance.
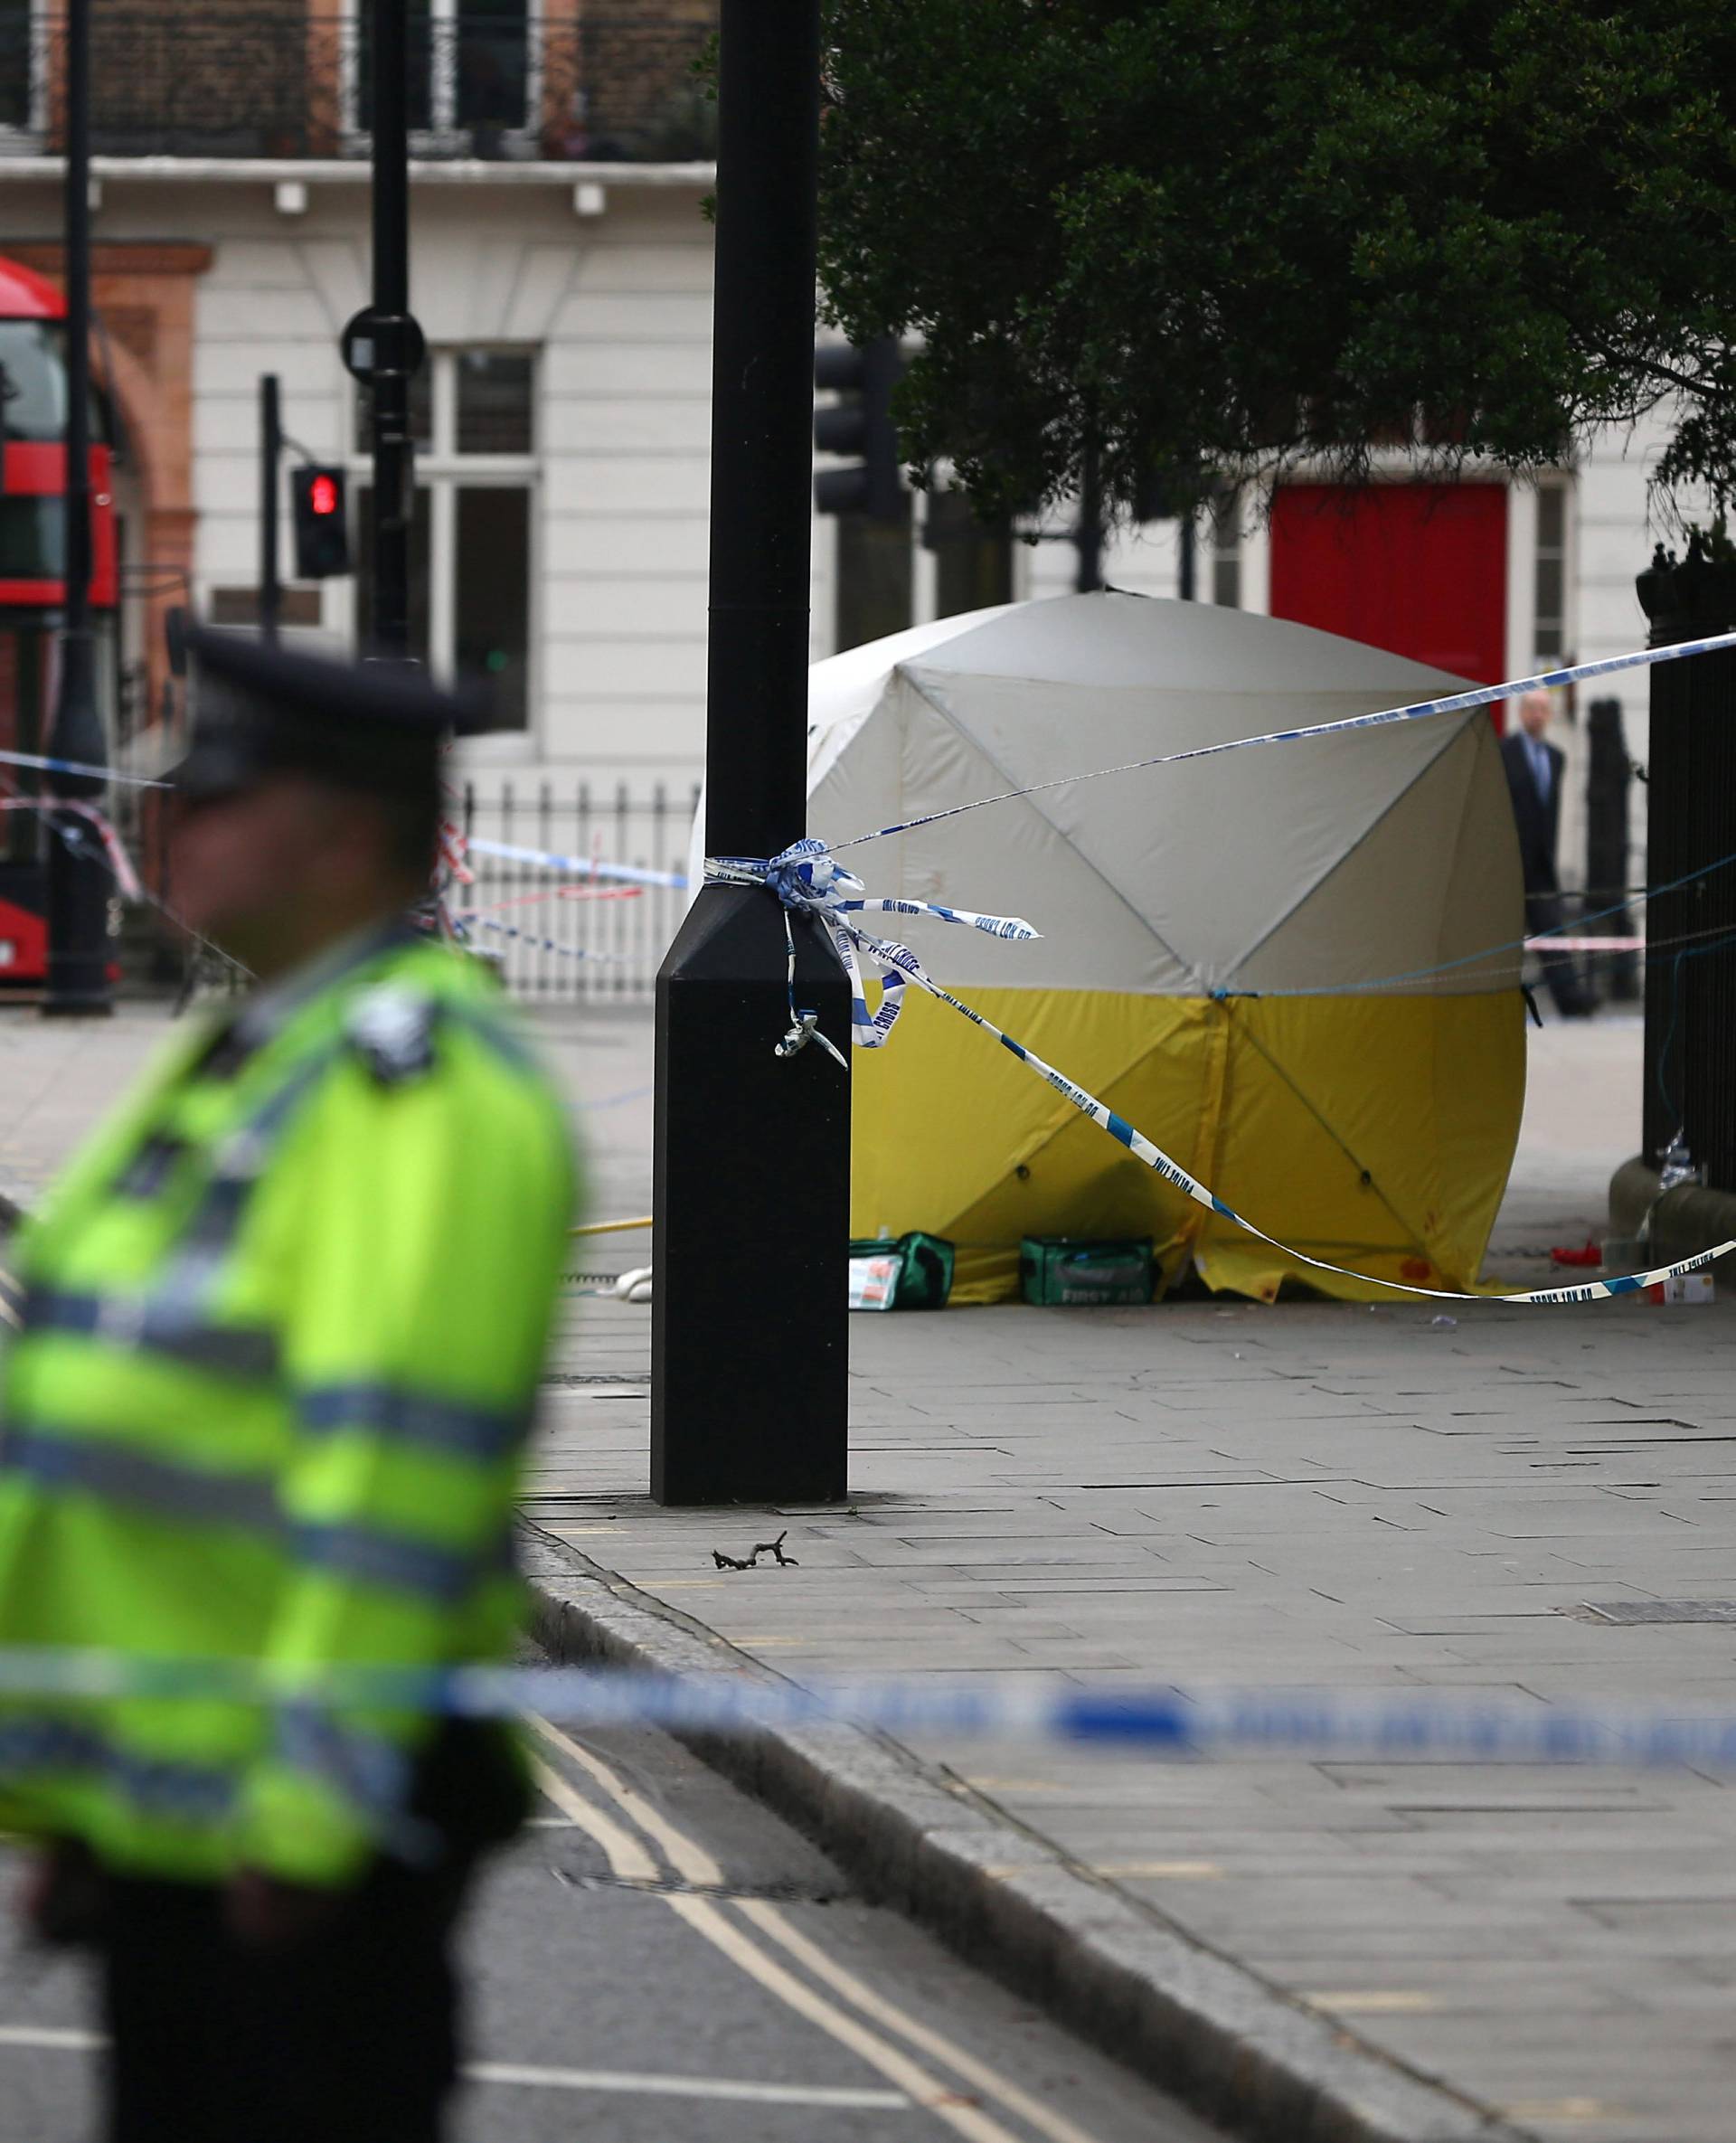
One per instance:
(750, 1357)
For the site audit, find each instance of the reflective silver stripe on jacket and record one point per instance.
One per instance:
(40, 1747)
(362, 1766)
(366, 1554)
(414, 1418)
(240, 1161)
(157, 1325)
(175, 1318)
(97, 1466)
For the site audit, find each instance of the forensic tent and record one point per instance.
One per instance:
(1295, 967)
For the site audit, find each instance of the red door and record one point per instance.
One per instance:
(1419, 568)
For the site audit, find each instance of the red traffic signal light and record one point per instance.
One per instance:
(321, 524)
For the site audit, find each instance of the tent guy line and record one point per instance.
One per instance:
(805, 877)
(1483, 695)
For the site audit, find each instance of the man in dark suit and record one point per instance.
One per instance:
(1534, 769)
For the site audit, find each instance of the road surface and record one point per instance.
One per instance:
(660, 1960)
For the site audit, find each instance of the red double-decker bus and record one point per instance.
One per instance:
(32, 583)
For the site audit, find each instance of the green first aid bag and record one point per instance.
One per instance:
(913, 1273)
(1059, 1270)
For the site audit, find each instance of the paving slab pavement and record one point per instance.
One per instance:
(1308, 1494)
(1303, 1495)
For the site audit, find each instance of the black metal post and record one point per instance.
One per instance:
(78, 879)
(394, 474)
(751, 1193)
(1088, 536)
(1188, 551)
(270, 459)
(1690, 1057)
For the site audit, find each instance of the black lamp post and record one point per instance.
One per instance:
(78, 880)
(752, 1153)
(396, 342)
(270, 484)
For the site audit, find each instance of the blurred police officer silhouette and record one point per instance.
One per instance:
(284, 1320)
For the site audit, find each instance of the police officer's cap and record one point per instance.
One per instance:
(261, 711)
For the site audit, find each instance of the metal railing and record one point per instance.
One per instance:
(565, 934)
(272, 81)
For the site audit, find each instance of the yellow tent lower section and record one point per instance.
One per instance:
(1373, 1131)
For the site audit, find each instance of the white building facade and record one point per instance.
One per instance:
(563, 421)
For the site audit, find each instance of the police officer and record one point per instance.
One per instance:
(283, 1324)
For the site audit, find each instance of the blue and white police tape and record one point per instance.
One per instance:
(58, 813)
(1454, 702)
(587, 866)
(804, 1024)
(805, 878)
(463, 925)
(79, 766)
(1163, 1719)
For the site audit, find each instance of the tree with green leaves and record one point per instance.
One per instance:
(1195, 236)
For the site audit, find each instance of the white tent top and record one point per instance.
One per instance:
(1323, 866)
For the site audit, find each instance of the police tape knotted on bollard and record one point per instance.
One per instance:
(807, 879)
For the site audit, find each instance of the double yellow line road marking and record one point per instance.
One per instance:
(869, 2033)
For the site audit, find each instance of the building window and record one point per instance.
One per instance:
(20, 66)
(1551, 571)
(472, 70)
(473, 412)
(494, 402)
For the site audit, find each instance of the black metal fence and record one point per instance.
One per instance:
(569, 930)
(272, 81)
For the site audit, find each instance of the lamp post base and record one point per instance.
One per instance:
(79, 887)
(749, 1312)
(78, 880)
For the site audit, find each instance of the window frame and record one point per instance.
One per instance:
(1559, 486)
(34, 129)
(443, 131)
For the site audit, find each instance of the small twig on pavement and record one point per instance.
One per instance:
(775, 1548)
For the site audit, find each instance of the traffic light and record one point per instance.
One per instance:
(860, 424)
(322, 524)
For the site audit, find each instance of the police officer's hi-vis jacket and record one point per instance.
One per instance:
(283, 1324)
